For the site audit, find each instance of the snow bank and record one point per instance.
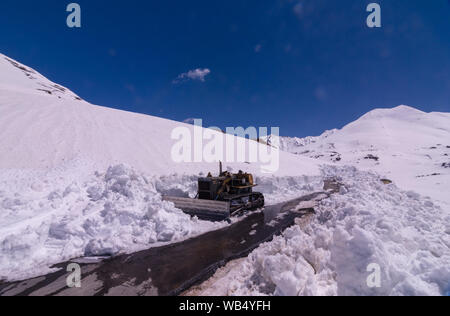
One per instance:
(50, 218)
(368, 223)
(118, 211)
(281, 189)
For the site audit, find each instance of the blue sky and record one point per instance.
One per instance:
(303, 65)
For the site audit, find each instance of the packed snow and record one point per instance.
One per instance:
(50, 220)
(405, 234)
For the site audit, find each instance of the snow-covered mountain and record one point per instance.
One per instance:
(46, 126)
(403, 144)
(78, 179)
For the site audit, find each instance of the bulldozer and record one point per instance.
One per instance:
(229, 194)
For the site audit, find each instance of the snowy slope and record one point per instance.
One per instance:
(42, 130)
(78, 179)
(402, 144)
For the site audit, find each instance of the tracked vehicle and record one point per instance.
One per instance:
(221, 197)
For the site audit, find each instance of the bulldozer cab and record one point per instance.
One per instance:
(225, 185)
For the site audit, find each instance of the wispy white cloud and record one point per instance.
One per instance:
(196, 74)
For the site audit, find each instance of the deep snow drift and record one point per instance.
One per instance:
(118, 211)
(369, 222)
(50, 220)
(402, 144)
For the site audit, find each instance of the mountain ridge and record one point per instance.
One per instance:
(21, 78)
(401, 143)
(44, 129)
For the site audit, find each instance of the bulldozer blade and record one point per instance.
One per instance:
(201, 208)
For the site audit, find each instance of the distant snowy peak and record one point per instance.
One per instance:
(400, 112)
(16, 77)
(404, 144)
(402, 125)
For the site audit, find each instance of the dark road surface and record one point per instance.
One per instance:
(171, 269)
